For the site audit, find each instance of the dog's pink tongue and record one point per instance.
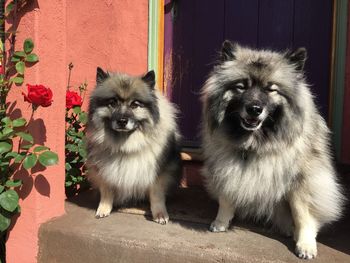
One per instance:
(252, 121)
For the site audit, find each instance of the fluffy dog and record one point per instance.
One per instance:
(133, 148)
(266, 146)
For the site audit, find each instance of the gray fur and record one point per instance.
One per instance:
(278, 167)
(140, 158)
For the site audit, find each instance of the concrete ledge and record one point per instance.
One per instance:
(129, 236)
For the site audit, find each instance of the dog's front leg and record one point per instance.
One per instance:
(305, 227)
(106, 202)
(157, 198)
(224, 216)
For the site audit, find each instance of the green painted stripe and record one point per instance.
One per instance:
(339, 73)
(153, 35)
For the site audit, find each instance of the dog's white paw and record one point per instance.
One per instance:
(218, 226)
(306, 250)
(161, 217)
(103, 210)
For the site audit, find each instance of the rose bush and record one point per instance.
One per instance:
(75, 151)
(19, 151)
(38, 95)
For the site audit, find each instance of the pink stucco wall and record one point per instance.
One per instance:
(111, 34)
(107, 33)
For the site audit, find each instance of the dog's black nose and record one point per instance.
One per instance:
(254, 110)
(122, 122)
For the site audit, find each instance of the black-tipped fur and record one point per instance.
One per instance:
(297, 58)
(101, 75)
(227, 51)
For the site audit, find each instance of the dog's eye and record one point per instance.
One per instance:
(240, 86)
(272, 88)
(135, 104)
(112, 102)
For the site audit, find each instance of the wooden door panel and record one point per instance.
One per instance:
(313, 30)
(241, 17)
(275, 29)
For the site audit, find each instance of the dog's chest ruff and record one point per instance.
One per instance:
(130, 175)
(254, 184)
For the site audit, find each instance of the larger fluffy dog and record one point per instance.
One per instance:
(132, 143)
(266, 146)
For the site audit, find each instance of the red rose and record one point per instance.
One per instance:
(73, 99)
(2, 71)
(38, 95)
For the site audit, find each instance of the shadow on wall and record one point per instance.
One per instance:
(38, 129)
(26, 7)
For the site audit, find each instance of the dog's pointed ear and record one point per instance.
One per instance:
(150, 78)
(101, 75)
(297, 58)
(228, 50)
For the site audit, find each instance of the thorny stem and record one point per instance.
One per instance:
(5, 85)
(20, 140)
(3, 91)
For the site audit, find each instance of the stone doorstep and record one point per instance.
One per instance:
(130, 236)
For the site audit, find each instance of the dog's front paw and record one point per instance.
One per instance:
(306, 250)
(218, 226)
(161, 218)
(103, 210)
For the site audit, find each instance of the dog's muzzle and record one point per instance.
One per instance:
(252, 116)
(123, 124)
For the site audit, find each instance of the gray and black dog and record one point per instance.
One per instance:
(133, 150)
(266, 146)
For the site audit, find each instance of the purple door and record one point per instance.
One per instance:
(195, 30)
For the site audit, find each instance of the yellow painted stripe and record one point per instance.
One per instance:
(160, 71)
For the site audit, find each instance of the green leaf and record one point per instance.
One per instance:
(82, 152)
(32, 58)
(40, 148)
(76, 109)
(2, 163)
(11, 155)
(20, 54)
(6, 121)
(68, 183)
(30, 161)
(25, 136)
(48, 158)
(17, 80)
(20, 67)
(20, 122)
(6, 132)
(14, 183)
(15, 59)
(9, 200)
(5, 147)
(68, 167)
(72, 148)
(10, 7)
(4, 222)
(26, 146)
(83, 117)
(28, 45)
(19, 157)
(2, 188)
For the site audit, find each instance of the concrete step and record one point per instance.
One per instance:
(130, 236)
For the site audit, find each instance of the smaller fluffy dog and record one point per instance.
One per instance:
(133, 148)
(266, 146)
